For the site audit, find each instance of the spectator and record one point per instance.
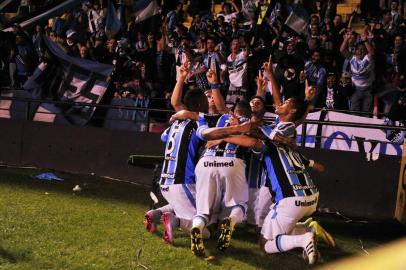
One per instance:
(24, 58)
(84, 53)
(395, 14)
(72, 44)
(94, 19)
(289, 72)
(347, 49)
(237, 73)
(334, 96)
(227, 11)
(362, 74)
(315, 72)
(175, 17)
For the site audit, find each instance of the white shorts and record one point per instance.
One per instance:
(220, 179)
(284, 215)
(182, 198)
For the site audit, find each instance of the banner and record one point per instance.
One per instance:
(66, 78)
(366, 140)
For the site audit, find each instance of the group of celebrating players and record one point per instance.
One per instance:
(228, 167)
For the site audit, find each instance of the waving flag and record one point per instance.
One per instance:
(298, 19)
(145, 9)
(69, 79)
(113, 24)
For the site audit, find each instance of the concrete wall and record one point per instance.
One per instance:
(76, 149)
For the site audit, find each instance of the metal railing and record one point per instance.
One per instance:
(29, 103)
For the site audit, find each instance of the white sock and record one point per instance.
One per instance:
(236, 215)
(165, 208)
(199, 222)
(283, 243)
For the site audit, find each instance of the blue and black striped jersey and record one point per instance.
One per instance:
(181, 153)
(223, 149)
(182, 150)
(287, 172)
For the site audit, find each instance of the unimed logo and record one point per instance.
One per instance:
(218, 164)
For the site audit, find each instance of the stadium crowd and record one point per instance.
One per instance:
(352, 71)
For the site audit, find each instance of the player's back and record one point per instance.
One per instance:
(181, 153)
(225, 149)
(286, 170)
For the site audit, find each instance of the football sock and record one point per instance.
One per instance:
(283, 243)
(199, 222)
(236, 215)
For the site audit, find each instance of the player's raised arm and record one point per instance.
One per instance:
(276, 91)
(310, 93)
(178, 89)
(218, 98)
(261, 85)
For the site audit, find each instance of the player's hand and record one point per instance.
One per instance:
(261, 81)
(317, 167)
(347, 35)
(184, 70)
(310, 91)
(211, 77)
(180, 115)
(213, 143)
(302, 76)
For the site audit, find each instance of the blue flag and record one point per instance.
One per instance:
(113, 24)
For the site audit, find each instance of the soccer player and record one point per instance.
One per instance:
(220, 177)
(181, 154)
(294, 194)
(177, 178)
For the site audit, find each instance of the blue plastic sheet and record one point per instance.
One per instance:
(48, 177)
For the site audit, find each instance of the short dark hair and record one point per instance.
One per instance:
(260, 98)
(193, 99)
(211, 37)
(244, 108)
(318, 50)
(300, 106)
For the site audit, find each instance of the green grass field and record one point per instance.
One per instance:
(45, 225)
